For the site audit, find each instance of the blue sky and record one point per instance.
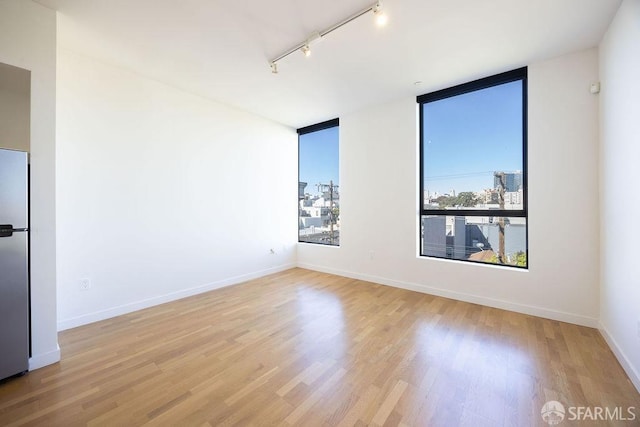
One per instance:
(468, 137)
(318, 158)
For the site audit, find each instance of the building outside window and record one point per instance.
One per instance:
(473, 179)
(318, 184)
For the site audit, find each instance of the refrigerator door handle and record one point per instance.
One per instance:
(6, 230)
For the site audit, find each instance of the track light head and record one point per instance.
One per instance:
(380, 16)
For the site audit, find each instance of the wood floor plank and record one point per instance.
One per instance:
(389, 403)
(313, 349)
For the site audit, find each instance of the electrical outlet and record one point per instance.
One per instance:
(85, 284)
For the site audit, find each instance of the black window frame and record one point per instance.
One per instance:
(306, 130)
(519, 74)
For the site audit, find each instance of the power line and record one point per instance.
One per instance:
(459, 175)
(464, 175)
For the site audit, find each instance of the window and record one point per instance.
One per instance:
(473, 171)
(318, 195)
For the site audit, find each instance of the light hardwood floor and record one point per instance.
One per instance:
(312, 349)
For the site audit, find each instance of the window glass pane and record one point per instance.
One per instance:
(492, 240)
(472, 143)
(318, 187)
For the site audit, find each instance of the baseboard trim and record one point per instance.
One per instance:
(41, 360)
(546, 313)
(632, 373)
(161, 299)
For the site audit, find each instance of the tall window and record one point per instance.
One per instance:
(473, 171)
(318, 189)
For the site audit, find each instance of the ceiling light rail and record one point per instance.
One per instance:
(305, 46)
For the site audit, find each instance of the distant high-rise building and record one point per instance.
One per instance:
(301, 187)
(513, 181)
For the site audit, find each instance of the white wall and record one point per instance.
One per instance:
(379, 178)
(163, 194)
(15, 107)
(28, 40)
(620, 175)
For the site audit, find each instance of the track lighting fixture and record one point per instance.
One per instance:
(304, 47)
(380, 16)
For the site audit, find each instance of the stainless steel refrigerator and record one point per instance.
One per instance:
(14, 263)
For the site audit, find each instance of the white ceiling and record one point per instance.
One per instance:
(220, 49)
